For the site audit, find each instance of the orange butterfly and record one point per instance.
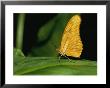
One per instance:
(71, 44)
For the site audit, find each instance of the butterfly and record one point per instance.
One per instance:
(71, 44)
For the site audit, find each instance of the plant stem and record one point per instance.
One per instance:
(20, 30)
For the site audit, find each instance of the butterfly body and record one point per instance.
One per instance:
(71, 44)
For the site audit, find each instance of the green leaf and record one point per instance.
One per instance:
(51, 66)
(18, 56)
(18, 52)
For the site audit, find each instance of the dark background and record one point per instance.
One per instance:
(88, 32)
(88, 28)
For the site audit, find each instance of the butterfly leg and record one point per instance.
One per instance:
(68, 58)
(59, 58)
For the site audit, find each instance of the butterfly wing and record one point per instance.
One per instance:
(65, 37)
(71, 44)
